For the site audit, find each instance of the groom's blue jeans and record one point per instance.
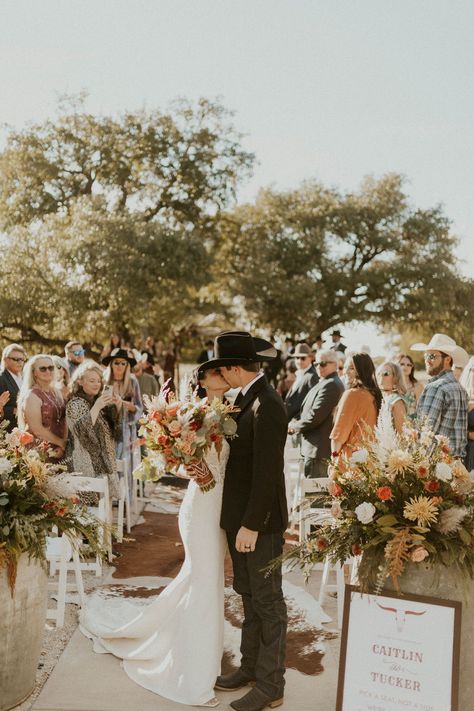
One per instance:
(263, 644)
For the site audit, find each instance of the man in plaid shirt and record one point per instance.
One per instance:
(444, 401)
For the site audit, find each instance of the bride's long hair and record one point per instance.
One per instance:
(193, 386)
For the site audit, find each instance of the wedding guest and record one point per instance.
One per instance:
(390, 380)
(92, 443)
(114, 342)
(460, 360)
(147, 382)
(337, 344)
(168, 364)
(74, 355)
(358, 407)
(306, 377)
(41, 408)
(467, 381)
(127, 408)
(286, 381)
(207, 353)
(443, 402)
(62, 376)
(316, 419)
(13, 360)
(413, 388)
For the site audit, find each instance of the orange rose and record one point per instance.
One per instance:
(25, 437)
(432, 486)
(356, 549)
(162, 440)
(384, 493)
(321, 544)
(422, 472)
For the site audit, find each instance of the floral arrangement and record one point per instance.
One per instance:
(180, 433)
(398, 499)
(33, 499)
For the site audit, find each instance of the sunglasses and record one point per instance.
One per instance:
(322, 363)
(386, 372)
(78, 353)
(120, 362)
(44, 368)
(17, 360)
(433, 356)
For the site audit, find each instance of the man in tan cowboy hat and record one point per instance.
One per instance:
(444, 401)
(306, 377)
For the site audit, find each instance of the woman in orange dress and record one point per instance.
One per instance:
(358, 407)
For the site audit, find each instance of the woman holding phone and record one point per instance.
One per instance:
(92, 443)
(127, 407)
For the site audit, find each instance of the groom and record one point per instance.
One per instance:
(254, 516)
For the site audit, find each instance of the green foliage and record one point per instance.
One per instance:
(32, 502)
(109, 222)
(309, 259)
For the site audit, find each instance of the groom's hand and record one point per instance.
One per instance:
(246, 540)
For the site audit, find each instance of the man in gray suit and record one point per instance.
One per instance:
(306, 377)
(316, 418)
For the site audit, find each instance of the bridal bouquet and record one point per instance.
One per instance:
(180, 433)
(398, 499)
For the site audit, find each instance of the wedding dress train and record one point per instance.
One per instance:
(174, 646)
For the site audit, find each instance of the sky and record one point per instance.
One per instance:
(332, 90)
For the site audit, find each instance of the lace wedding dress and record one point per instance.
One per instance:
(173, 646)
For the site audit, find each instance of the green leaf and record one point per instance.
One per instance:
(387, 520)
(464, 536)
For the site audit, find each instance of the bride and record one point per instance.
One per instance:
(174, 646)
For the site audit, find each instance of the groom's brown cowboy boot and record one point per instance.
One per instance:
(233, 681)
(256, 700)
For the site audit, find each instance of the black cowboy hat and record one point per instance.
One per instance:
(120, 353)
(336, 332)
(239, 348)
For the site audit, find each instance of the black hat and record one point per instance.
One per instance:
(239, 348)
(336, 332)
(120, 353)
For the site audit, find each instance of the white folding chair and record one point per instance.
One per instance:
(63, 556)
(306, 514)
(124, 503)
(100, 487)
(293, 465)
(138, 485)
(338, 587)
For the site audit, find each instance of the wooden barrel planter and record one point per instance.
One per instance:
(22, 622)
(446, 584)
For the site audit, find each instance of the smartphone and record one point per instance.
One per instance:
(108, 390)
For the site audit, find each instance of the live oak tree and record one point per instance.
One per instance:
(308, 259)
(106, 221)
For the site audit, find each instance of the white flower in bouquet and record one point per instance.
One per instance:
(365, 512)
(443, 471)
(360, 456)
(60, 487)
(336, 509)
(450, 519)
(5, 466)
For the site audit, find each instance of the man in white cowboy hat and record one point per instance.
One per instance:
(443, 401)
(460, 360)
(306, 377)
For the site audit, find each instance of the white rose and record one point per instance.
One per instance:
(5, 465)
(360, 456)
(443, 471)
(365, 512)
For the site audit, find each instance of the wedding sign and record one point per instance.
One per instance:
(398, 653)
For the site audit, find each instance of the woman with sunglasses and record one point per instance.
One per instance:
(41, 408)
(128, 407)
(413, 388)
(358, 407)
(390, 380)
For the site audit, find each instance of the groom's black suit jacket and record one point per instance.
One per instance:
(254, 487)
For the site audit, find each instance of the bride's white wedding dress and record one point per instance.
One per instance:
(174, 646)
